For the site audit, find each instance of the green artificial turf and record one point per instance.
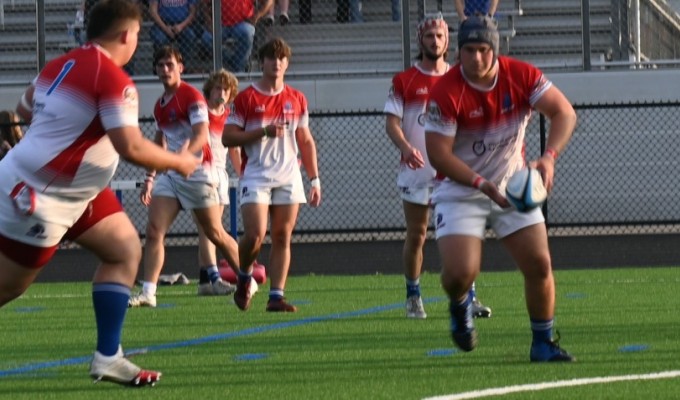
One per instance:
(350, 340)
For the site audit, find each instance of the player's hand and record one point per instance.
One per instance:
(413, 158)
(145, 195)
(546, 166)
(275, 130)
(315, 196)
(188, 161)
(491, 190)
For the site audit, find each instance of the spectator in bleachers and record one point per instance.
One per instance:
(349, 11)
(466, 8)
(10, 131)
(283, 13)
(204, 30)
(238, 24)
(305, 11)
(173, 21)
(396, 10)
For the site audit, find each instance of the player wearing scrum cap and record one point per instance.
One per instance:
(181, 115)
(474, 134)
(404, 112)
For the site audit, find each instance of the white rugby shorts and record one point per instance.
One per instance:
(190, 194)
(292, 193)
(470, 217)
(35, 218)
(416, 195)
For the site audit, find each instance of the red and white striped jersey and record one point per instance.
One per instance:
(488, 123)
(270, 162)
(175, 117)
(78, 97)
(219, 151)
(407, 100)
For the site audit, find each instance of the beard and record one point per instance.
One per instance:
(432, 56)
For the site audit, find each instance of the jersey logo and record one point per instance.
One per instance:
(130, 96)
(433, 112)
(507, 104)
(259, 108)
(37, 231)
(421, 91)
(479, 112)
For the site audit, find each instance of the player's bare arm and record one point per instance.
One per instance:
(25, 106)
(445, 162)
(133, 147)
(556, 107)
(234, 135)
(411, 156)
(201, 133)
(307, 147)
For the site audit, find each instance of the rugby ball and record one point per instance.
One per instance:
(525, 189)
(228, 274)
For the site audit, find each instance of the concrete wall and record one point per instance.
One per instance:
(370, 93)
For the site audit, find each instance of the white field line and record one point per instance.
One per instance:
(476, 394)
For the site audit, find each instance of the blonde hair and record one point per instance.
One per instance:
(223, 78)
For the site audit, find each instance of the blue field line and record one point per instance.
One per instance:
(213, 338)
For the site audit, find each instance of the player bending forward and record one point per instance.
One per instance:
(83, 111)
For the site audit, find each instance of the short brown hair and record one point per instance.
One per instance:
(224, 78)
(276, 48)
(106, 15)
(167, 51)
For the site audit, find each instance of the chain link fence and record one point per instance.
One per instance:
(612, 179)
(341, 37)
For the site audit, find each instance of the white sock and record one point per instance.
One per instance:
(149, 288)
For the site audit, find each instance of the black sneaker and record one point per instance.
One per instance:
(268, 21)
(462, 326)
(284, 20)
(549, 351)
(243, 294)
(280, 305)
(466, 340)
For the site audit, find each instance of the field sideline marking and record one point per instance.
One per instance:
(212, 338)
(532, 387)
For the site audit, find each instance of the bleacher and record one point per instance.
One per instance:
(546, 32)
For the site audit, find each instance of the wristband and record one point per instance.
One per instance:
(477, 182)
(148, 179)
(315, 182)
(552, 153)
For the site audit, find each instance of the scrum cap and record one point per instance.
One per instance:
(436, 21)
(479, 29)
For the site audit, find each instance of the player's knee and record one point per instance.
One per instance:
(154, 233)
(252, 239)
(538, 267)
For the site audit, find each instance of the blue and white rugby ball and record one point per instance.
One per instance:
(525, 189)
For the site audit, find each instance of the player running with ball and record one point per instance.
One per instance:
(474, 134)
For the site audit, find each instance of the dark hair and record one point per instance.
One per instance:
(276, 48)
(107, 15)
(10, 131)
(166, 51)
